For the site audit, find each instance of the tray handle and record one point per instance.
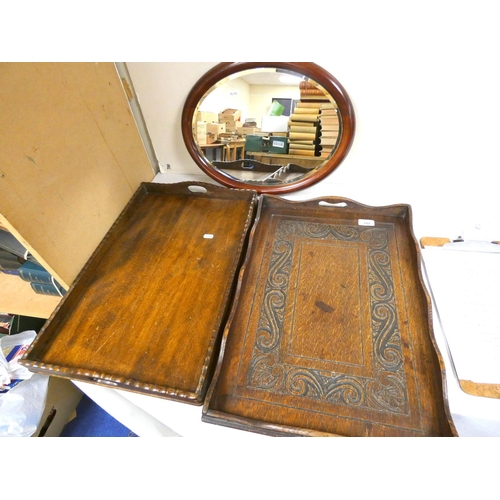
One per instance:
(339, 204)
(332, 204)
(197, 188)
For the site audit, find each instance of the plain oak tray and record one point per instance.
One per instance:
(147, 311)
(331, 330)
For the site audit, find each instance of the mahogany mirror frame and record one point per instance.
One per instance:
(308, 69)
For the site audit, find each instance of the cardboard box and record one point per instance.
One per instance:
(247, 130)
(228, 136)
(216, 128)
(210, 138)
(229, 114)
(231, 125)
(201, 133)
(201, 128)
(204, 135)
(206, 116)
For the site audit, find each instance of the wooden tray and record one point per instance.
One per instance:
(331, 331)
(147, 311)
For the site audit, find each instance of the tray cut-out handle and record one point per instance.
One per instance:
(340, 204)
(197, 189)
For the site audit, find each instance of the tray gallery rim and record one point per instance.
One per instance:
(77, 290)
(213, 415)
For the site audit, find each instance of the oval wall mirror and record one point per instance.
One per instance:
(273, 127)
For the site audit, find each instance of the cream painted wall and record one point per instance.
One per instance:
(425, 88)
(161, 90)
(253, 101)
(234, 94)
(262, 97)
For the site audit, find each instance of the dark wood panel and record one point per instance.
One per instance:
(331, 331)
(303, 161)
(147, 311)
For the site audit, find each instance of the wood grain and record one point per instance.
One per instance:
(17, 297)
(482, 390)
(330, 332)
(432, 241)
(147, 311)
(71, 157)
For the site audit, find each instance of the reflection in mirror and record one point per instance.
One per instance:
(271, 126)
(267, 126)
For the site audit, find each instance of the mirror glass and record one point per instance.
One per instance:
(271, 127)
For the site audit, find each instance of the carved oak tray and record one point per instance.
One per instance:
(147, 311)
(331, 331)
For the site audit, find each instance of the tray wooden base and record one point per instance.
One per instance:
(146, 313)
(331, 334)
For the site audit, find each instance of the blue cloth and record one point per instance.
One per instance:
(92, 421)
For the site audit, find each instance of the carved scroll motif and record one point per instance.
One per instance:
(385, 390)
